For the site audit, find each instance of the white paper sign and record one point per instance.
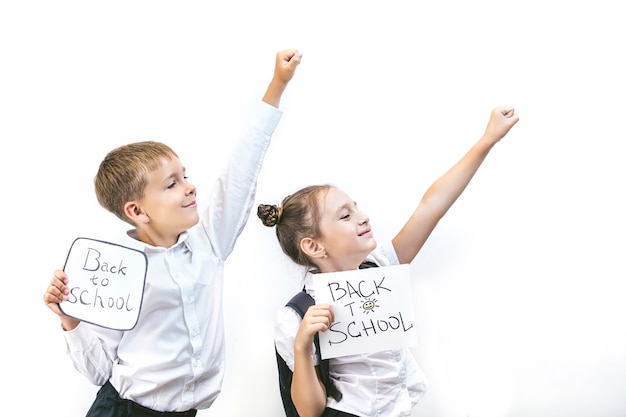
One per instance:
(106, 283)
(372, 307)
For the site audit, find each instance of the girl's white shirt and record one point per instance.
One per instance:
(388, 383)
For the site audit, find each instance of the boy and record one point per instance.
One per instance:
(172, 361)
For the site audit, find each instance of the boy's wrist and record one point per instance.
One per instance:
(68, 324)
(274, 92)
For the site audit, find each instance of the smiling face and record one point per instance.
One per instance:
(346, 235)
(168, 206)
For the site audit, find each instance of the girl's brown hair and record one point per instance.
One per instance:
(295, 219)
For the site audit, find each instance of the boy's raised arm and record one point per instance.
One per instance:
(286, 62)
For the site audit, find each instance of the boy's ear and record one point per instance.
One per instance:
(135, 213)
(311, 248)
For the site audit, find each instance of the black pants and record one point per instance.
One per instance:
(109, 404)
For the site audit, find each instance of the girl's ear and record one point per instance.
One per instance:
(135, 213)
(311, 248)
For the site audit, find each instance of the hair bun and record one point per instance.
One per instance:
(269, 214)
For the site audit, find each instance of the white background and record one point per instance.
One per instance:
(519, 292)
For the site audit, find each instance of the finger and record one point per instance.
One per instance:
(320, 326)
(325, 321)
(51, 297)
(60, 286)
(508, 111)
(318, 316)
(60, 275)
(293, 59)
(289, 53)
(59, 294)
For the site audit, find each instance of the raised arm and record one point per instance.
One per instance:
(232, 197)
(286, 63)
(444, 192)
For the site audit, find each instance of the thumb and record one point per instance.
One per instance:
(507, 111)
(293, 58)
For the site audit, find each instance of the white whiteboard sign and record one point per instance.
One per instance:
(106, 283)
(372, 307)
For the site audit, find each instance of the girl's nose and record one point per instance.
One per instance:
(191, 189)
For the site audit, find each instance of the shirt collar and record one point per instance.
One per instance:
(133, 239)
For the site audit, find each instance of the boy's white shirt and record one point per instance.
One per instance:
(178, 340)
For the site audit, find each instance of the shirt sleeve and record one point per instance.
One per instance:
(232, 197)
(287, 325)
(92, 351)
(384, 255)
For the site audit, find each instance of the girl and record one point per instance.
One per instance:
(321, 228)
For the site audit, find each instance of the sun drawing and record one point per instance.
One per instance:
(368, 305)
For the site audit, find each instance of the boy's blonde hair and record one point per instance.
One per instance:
(123, 174)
